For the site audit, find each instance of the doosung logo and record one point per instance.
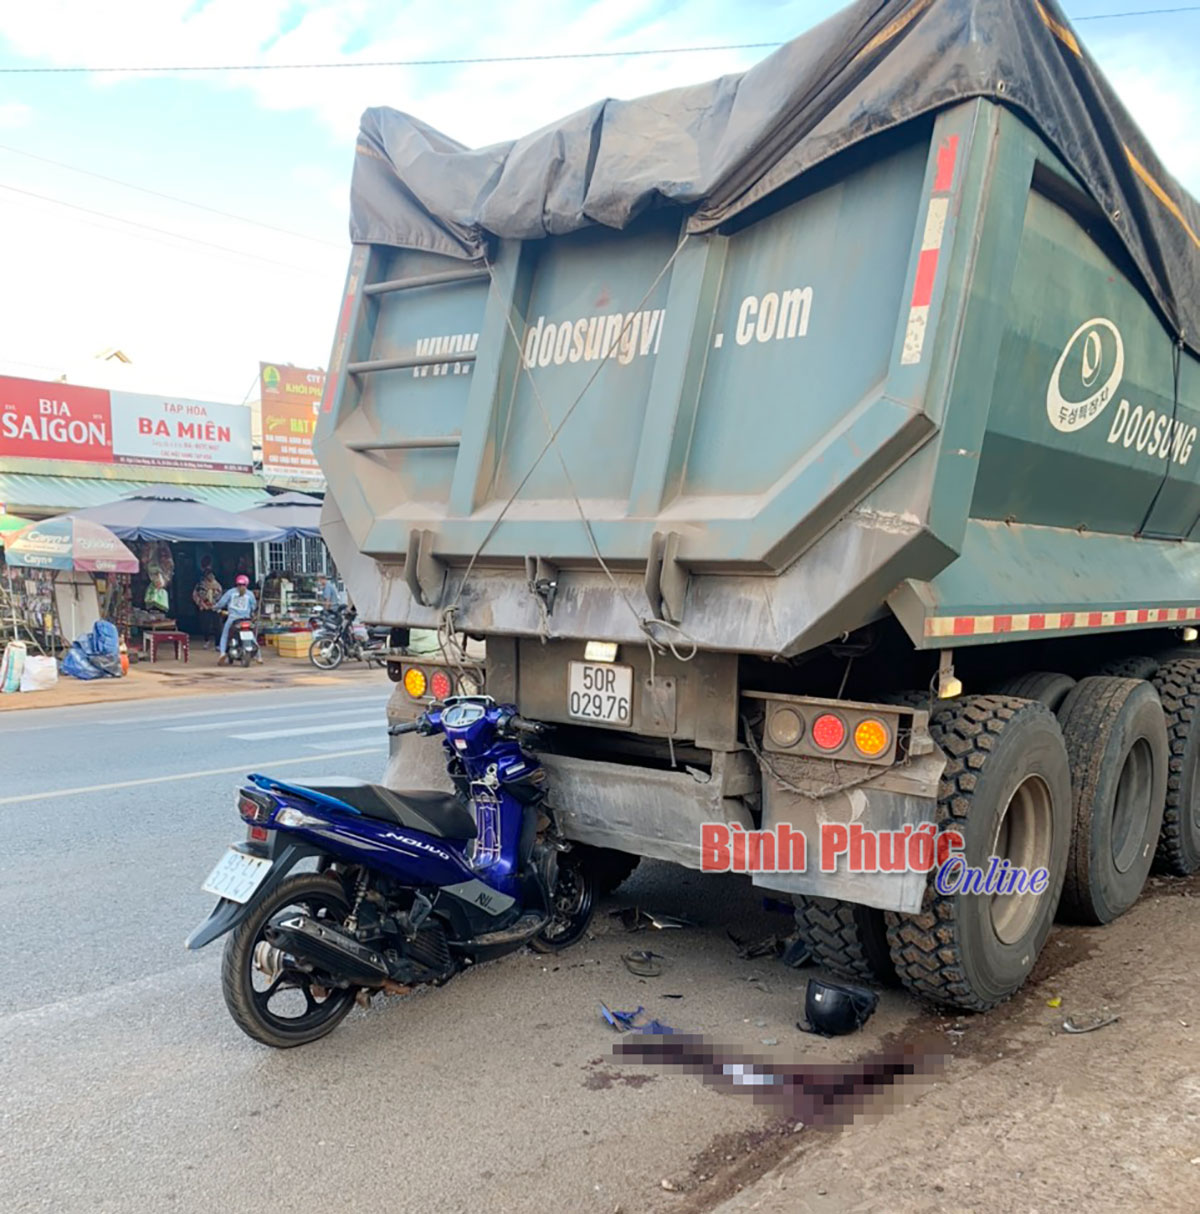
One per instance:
(1086, 376)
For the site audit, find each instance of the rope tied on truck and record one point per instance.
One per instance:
(681, 646)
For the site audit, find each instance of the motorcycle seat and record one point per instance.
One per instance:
(440, 814)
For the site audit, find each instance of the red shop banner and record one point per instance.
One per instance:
(54, 421)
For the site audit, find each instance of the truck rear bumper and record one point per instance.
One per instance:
(649, 811)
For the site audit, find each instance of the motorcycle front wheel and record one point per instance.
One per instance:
(326, 653)
(571, 907)
(269, 998)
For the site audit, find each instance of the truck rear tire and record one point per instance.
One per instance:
(1130, 668)
(1007, 790)
(1116, 740)
(1042, 685)
(606, 867)
(1178, 685)
(849, 939)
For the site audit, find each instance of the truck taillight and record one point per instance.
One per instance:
(415, 682)
(829, 731)
(441, 686)
(823, 729)
(871, 737)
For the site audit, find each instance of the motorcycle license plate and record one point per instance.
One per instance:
(236, 876)
(601, 692)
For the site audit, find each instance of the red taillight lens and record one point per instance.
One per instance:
(254, 808)
(829, 731)
(441, 686)
(258, 834)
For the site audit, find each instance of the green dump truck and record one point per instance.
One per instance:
(816, 448)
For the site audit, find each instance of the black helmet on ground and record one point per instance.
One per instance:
(832, 1009)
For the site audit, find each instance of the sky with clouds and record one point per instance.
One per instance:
(196, 297)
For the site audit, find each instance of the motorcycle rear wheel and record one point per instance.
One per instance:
(326, 653)
(260, 1011)
(573, 904)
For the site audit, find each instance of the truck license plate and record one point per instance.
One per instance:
(236, 876)
(600, 691)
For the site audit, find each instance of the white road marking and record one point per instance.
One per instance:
(240, 769)
(335, 745)
(306, 731)
(313, 714)
(94, 1004)
(316, 702)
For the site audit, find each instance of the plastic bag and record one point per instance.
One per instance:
(103, 639)
(101, 649)
(12, 666)
(78, 665)
(40, 674)
(156, 596)
(96, 653)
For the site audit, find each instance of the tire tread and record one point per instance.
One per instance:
(1086, 717)
(848, 939)
(1178, 686)
(926, 946)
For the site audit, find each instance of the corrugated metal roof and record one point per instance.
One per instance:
(22, 492)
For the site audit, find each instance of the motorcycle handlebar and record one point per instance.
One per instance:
(513, 724)
(531, 729)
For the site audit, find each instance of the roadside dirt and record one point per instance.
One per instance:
(200, 675)
(1023, 1116)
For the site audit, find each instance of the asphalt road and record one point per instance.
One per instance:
(125, 1086)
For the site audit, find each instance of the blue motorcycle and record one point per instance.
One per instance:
(407, 888)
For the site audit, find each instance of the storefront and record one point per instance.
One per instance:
(66, 448)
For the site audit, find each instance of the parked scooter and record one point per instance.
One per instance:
(410, 887)
(338, 634)
(242, 645)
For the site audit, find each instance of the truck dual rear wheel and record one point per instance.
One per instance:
(1133, 666)
(1051, 689)
(1117, 743)
(849, 939)
(1007, 790)
(1178, 685)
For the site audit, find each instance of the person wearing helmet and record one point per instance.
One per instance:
(240, 604)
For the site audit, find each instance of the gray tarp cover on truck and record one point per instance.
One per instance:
(720, 147)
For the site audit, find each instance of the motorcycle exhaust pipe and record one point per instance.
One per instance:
(329, 949)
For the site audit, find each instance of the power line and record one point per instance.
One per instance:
(169, 197)
(133, 223)
(355, 63)
(20, 362)
(1144, 12)
(343, 64)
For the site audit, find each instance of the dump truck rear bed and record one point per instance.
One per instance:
(923, 382)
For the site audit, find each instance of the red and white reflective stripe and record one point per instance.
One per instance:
(1055, 621)
(931, 246)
